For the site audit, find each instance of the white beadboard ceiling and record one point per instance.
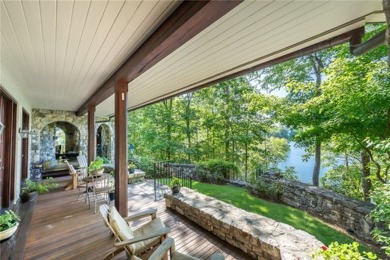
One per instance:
(60, 52)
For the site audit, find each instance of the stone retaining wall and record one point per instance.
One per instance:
(258, 236)
(347, 213)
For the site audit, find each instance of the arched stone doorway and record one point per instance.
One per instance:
(59, 140)
(104, 142)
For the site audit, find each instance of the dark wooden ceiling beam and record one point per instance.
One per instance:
(189, 19)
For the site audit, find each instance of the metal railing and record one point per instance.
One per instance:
(163, 174)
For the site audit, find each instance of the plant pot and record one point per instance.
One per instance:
(111, 195)
(131, 170)
(8, 232)
(27, 196)
(97, 172)
(176, 189)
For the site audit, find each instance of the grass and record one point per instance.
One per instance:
(240, 198)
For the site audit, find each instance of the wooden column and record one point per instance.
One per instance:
(121, 147)
(91, 133)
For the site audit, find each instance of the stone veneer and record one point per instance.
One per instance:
(258, 236)
(43, 117)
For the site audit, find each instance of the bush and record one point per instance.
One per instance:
(381, 216)
(206, 176)
(145, 164)
(342, 251)
(268, 189)
(220, 168)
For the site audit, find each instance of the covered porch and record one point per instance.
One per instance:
(63, 228)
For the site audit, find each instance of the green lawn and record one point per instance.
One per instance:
(240, 198)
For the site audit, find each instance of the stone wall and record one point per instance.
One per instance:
(186, 169)
(258, 236)
(42, 144)
(347, 213)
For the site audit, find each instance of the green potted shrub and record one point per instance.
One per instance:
(131, 167)
(9, 222)
(29, 187)
(96, 166)
(175, 185)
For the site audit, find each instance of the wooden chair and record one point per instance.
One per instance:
(167, 251)
(139, 242)
(100, 188)
(83, 164)
(77, 182)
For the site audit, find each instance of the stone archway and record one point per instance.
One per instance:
(42, 118)
(104, 142)
(59, 140)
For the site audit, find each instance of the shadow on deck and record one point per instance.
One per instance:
(64, 228)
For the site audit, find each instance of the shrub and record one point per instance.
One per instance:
(220, 167)
(342, 252)
(381, 216)
(268, 189)
(145, 164)
(206, 176)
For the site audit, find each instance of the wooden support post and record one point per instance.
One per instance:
(121, 195)
(91, 133)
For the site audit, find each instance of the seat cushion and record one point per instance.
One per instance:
(151, 226)
(120, 225)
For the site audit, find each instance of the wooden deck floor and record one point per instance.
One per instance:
(63, 228)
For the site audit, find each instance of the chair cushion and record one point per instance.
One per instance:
(120, 225)
(151, 226)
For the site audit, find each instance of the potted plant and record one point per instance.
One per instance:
(131, 167)
(96, 166)
(175, 185)
(9, 222)
(30, 187)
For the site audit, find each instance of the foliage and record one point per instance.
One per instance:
(40, 187)
(344, 180)
(105, 160)
(8, 220)
(175, 182)
(209, 177)
(219, 168)
(131, 166)
(289, 174)
(268, 189)
(145, 164)
(240, 198)
(95, 165)
(337, 251)
(381, 216)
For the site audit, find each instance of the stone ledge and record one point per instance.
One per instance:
(258, 236)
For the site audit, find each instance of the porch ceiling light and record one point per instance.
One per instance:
(24, 133)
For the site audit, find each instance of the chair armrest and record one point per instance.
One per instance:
(150, 212)
(163, 249)
(161, 232)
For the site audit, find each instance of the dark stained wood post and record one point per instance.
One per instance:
(91, 133)
(121, 196)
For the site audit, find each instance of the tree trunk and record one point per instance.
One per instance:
(366, 182)
(317, 164)
(386, 9)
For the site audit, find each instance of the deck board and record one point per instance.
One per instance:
(65, 228)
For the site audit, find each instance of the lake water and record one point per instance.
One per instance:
(304, 169)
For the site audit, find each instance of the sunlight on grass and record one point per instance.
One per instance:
(240, 198)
